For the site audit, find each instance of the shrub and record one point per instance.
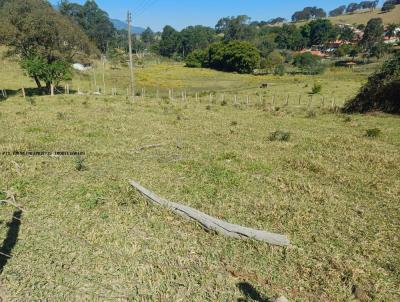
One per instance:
(234, 56)
(311, 114)
(197, 59)
(347, 119)
(309, 63)
(280, 136)
(316, 88)
(279, 70)
(80, 164)
(381, 92)
(93, 200)
(61, 116)
(372, 133)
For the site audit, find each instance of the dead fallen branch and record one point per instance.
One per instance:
(211, 223)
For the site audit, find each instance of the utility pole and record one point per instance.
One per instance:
(130, 54)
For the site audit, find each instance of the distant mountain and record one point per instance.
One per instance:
(118, 24)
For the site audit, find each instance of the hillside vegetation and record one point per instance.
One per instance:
(362, 17)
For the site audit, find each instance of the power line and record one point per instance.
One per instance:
(141, 5)
(147, 5)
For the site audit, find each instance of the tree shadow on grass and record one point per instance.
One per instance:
(251, 293)
(11, 239)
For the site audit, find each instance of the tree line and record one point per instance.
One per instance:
(47, 40)
(266, 46)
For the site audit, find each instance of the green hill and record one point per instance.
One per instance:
(362, 17)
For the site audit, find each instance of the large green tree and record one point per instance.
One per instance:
(337, 11)
(373, 34)
(236, 28)
(148, 37)
(94, 21)
(308, 13)
(170, 41)
(45, 41)
(290, 37)
(195, 37)
(319, 32)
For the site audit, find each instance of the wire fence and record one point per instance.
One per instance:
(258, 98)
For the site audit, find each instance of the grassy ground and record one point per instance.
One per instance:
(85, 235)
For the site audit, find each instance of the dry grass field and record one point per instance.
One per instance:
(363, 17)
(85, 235)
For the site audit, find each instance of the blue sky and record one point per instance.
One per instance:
(181, 13)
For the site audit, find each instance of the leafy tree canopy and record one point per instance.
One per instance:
(236, 56)
(338, 11)
(308, 13)
(373, 34)
(290, 37)
(235, 28)
(45, 41)
(170, 41)
(320, 32)
(94, 21)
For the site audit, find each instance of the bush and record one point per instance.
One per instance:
(309, 63)
(80, 164)
(234, 56)
(381, 92)
(279, 70)
(311, 114)
(317, 88)
(374, 132)
(280, 136)
(197, 59)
